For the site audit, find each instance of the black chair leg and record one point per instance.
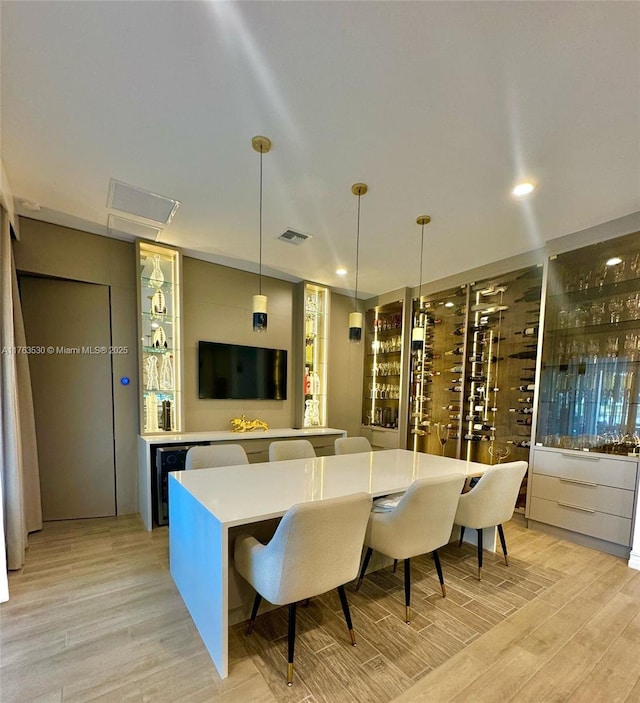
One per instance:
(254, 612)
(407, 590)
(365, 563)
(480, 554)
(347, 614)
(503, 542)
(291, 642)
(395, 565)
(461, 535)
(436, 559)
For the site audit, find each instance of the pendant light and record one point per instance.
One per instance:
(355, 318)
(417, 333)
(262, 145)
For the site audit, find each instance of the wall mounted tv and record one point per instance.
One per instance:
(232, 371)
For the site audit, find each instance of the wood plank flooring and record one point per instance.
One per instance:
(94, 616)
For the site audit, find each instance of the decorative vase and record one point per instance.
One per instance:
(156, 280)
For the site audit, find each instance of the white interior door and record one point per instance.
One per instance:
(72, 393)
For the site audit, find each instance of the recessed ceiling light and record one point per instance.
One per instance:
(341, 272)
(448, 304)
(523, 188)
(613, 261)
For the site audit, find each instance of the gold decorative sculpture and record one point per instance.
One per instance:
(241, 424)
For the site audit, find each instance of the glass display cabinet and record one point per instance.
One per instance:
(383, 372)
(436, 372)
(590, 389)
(312, 348)
(159, 335)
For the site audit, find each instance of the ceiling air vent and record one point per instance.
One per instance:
(119, 226)
(293, 237)
(141, 203)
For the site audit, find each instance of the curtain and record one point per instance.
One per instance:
(20, 482)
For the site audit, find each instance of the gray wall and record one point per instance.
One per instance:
(66, 253)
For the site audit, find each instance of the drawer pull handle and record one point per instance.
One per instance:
(580, 483)
(580, 457)
(576, 507)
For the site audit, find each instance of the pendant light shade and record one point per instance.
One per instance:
(355, 318)
(417, 333)
(263, 146)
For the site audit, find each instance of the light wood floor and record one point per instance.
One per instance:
(94, 616)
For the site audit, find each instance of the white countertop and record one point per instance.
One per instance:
(237, 495)
(228, 435)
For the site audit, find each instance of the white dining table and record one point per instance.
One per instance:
(208, 508)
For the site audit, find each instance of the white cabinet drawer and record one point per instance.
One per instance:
(617, 473)
(604, 499)
(601, 525)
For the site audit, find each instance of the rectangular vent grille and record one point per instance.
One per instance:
(122, 226)
(293, 237)
(141, 203)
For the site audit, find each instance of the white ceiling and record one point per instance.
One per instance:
(440, 107)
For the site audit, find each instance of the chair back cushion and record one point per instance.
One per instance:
(215, 455)
(493, 499)
(292, 449)
(316, 548)
(352, 445)
(422, 520)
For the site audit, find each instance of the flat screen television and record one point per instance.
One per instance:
(233, 371)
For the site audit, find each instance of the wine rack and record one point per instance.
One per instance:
(159, 334)
(437, 367)
(312, 306)
(473, 375)
(383, 366)
(590, 379)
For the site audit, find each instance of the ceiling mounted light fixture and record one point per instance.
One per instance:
(263, 146)
(341, 272)
(417, 333)
(613, 261)
(355, 318)
(523, 188)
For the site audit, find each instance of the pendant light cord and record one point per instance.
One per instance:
(260, 254)
(355, 297)
(421, 264)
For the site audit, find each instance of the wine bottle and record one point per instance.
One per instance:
(455, 389)
(472, 418)
(526, 399)
(456, 369)
(527, 354)
(458, 351)
(521, 411)
(475, 437)
(525, 421)
(460, 331)
(519, 443)
(530, 295)
(528, 332)
(481, 426)
(528, 387)
(451, 407)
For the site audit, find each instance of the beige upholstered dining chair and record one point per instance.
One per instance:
(316, 548)
(420, 523)
(352, 445)
(491, 502)
(209, 456)
(292, 449)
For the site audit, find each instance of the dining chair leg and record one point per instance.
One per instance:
(480, 554)
(436, 559)
(365, 563)
(407, 590)
(254, 612)
(395, 565)
(503, 542)
(461, 535)
(347, 614)
(291, 642)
